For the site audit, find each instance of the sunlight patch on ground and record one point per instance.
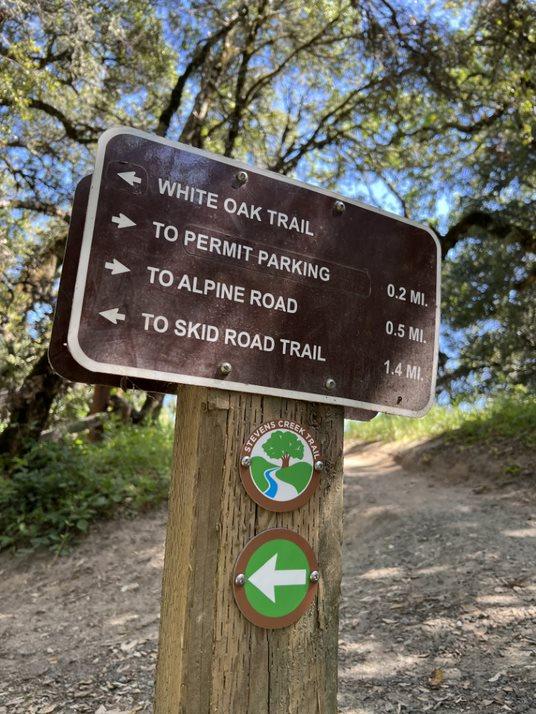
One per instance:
(518, 653)
(521, 533)
(438, 624)
(529, 588)
(154, 557)
(375, 511)
(508, 615)
(497, 599)
(381, 573)
(365, 461)
(432, 570)
(373, 661)
(122, 619)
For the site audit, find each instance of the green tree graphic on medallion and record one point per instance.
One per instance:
(284, 445)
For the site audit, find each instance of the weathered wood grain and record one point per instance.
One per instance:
(211, 659)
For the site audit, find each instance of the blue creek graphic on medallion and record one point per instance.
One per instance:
(278, 489)
(288, 480)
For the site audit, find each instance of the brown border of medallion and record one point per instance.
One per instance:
(241, 600)
(268, 503)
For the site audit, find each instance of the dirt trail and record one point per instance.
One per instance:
(438, 608)
(439, 592)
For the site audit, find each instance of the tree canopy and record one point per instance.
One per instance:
(426, 109)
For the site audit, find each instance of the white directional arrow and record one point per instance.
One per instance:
(267, 577)
(122, 221)
(130, 177)
(113, 315)
(116, 267)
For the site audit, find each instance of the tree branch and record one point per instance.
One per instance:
(47, 209)
(239, 100)
(489, 223)
(198, 60)
(71, 131)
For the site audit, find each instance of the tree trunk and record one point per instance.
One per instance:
(30, 407)
(211, 659)
(285, 461)
(99, 404)
(150, 409)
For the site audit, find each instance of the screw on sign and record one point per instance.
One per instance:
(276, 578)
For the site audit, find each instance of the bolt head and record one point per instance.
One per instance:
(242, 176)
(319, 465)
(330, 383)
(339, 207)
(315, 576)
(245, 460)
(225, 368)
(241, 579)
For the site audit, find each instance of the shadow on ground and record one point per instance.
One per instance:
(437, 614)
(439, 593)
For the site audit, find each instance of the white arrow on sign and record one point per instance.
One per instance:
(122, 221)
(113, 315)
(130, 177)
(267, 577)
(116, 267)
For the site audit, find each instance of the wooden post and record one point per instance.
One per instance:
(211, 659)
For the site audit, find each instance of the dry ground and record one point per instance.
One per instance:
(438, 606)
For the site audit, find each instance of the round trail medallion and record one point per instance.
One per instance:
(277, 465)
(275, 578)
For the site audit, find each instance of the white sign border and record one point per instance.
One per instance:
(122, 370)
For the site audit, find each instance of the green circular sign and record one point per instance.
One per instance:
(273, 584)
(277, 577)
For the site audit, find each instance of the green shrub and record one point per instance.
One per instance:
(502, 417)
(57, 490)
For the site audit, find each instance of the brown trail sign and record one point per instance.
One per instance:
(193, 270)
(60, 357)
(275, 305)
